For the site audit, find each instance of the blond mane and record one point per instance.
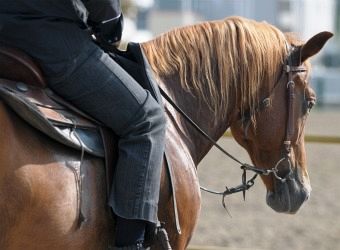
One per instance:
(211, 58)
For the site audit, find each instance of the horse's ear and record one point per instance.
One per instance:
(314, 45)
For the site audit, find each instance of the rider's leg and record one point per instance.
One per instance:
(124, 234)
(98, 86)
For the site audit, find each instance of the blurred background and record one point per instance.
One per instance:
(253, 225)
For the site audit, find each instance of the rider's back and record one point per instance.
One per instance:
(48, 30)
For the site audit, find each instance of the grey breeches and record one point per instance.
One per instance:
(100, 87)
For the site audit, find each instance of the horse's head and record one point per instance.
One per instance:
(276, 139)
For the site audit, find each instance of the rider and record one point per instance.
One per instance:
(56, 34)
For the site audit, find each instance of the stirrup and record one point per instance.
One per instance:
(162, 237)
(156, 233)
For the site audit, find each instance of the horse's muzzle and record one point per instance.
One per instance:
(288, 196)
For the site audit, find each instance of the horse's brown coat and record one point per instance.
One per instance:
(38, 194)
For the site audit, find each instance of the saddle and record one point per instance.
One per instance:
(23, 88)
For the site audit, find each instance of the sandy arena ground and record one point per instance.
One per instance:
(256, 226)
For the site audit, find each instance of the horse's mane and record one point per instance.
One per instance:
(211, 58)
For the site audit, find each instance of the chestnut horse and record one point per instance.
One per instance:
(218, 73)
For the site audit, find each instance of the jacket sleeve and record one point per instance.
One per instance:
(106, 19)
(102, 10)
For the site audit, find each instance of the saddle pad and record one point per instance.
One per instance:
(53, 119)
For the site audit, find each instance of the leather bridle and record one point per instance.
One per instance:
(287, 143)
(290, 70)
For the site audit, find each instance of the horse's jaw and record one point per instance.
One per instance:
(289, 196)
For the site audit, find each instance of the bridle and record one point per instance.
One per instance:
(289, 70)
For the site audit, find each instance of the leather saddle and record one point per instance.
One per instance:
(23, 88)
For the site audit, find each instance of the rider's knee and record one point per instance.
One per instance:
(149, 119)
(154, 114)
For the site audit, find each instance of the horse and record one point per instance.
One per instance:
(233, 73)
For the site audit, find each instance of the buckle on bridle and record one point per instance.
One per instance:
(287, 68)
(290, 83)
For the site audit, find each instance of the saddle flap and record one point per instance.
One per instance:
(55, 120)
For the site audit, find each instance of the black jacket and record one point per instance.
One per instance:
(52, 31)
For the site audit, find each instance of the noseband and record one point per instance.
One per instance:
(288, 69)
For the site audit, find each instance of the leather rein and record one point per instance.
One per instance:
(288, 69)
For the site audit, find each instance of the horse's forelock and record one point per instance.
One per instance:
(211, 58)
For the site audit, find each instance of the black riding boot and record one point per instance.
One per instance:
(129, 233)
(139, 235)
(137, 246)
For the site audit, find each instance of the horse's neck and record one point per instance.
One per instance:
(215, 126)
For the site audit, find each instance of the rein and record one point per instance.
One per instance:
(247, 184)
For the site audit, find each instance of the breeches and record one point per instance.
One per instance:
(100, 87)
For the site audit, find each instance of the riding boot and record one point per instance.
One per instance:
(137, 246)
(129, 232)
